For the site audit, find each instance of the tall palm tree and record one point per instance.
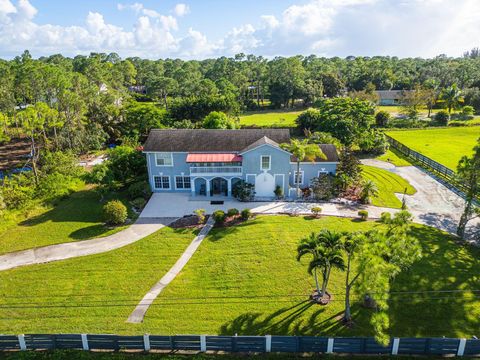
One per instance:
(452, 97)
(326, 251)
(303, 151)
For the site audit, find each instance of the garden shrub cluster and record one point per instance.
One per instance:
(115, 213)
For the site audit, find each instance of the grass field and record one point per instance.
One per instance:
(445, 145)
(388, 184)
(78, 217)
(244, 280)
(270, 118)
(394, 157)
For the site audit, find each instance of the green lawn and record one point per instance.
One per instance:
(394, 157)
(244, 280)
(446, 145)
(270, 118)
(77, 217)
(388, 184)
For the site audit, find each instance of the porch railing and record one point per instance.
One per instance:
(195, 170)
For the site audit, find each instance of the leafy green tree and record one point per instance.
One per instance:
(302, 150)
(382, 118)
(140, 118)
(218, 120)
(160, 87)
(379, 256)
(468, 171)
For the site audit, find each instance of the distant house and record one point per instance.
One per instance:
(210, 162)
(391, 97)
(139, 89)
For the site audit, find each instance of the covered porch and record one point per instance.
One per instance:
(213, 186)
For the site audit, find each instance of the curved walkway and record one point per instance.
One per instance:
(139, 313)
(140, 229)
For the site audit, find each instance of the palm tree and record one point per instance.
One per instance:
(369, 189)
(326, 251)
(452, 97)
(303, 151)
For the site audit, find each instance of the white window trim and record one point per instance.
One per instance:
(184, 188)
(156, 159)
(162, 188)
(295, 177)
(269, 162)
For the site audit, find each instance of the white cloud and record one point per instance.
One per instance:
(181, 9)
(324, 27)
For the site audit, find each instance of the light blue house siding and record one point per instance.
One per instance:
(218, 179)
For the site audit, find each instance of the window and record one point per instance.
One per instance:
(323, 172)
(298, 177)
(161, 182)
(265, 162)
(164, 159)
(182, 182)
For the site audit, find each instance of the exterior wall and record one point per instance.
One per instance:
(180, 167)
(310, 170)
(387, 102)
(279, 164)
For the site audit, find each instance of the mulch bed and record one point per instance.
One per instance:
(321, 300)
(187, 222)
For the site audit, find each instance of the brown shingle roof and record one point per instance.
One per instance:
(209, 140)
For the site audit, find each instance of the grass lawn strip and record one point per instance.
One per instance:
(388, 184)
(243, 279)
(77, 217)
(394, 157)
(446, 145)
(270, 118)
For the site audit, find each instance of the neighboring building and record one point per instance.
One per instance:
(391, 97)
(210, 162)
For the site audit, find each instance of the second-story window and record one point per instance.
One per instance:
(164, 159)
(265, 162)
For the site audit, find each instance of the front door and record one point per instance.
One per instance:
(219, 186)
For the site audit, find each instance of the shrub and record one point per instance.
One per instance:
(201, 215)
(316, 210)
(382, 118)
(114, 212)
(219, 216)
(218, 120)
(232, 212)
(246, 214)
(441, 118)
(243, 191)
(323, 187)
(138, 203)
(385, 217)
(467, 111)
(278, 192)
(138, 189)
(363, 214)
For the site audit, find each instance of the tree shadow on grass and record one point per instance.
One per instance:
(430, 298)
(80, 207)
(291, 320)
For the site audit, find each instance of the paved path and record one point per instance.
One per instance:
(139, 313)
(433, 204)
(140, 229)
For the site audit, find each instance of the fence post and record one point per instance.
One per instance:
(21, 342)
(461, 347)
(395, 345)
(330, 345)
(203, 343)
(268, 343)
(146, 342)
(85, 342)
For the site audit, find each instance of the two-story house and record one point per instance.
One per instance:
(210, 162)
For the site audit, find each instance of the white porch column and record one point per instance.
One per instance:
(208, 187)
(192, 185)
(229, 187)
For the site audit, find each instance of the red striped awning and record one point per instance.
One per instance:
(213, 157)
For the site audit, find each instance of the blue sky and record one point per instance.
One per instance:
(209, 28)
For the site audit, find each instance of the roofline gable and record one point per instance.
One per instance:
(266, 144)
